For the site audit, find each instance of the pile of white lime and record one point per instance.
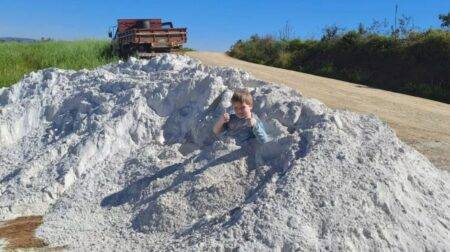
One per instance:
(123, 157)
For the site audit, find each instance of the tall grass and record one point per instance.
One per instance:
(17, 59)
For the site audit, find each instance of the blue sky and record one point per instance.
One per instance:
(212, 25)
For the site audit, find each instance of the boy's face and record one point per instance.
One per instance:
(242, 110)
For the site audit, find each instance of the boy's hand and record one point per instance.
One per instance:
(247, 112)
(249, 117)
(225, 118)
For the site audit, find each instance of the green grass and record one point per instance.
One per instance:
(187, 49)
(17, 59)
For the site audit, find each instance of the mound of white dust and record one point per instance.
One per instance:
(123, 158)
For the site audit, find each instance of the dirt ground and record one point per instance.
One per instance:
(19, 233)
(422, 123)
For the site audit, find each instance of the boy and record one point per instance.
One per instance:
(244, 125)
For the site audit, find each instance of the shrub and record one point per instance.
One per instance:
(416, 63)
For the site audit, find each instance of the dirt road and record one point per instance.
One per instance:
(422, 123)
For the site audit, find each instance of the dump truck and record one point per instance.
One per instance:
(145, 37)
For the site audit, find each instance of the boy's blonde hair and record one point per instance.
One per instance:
(242, 96)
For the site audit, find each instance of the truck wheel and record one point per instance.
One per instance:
(124, 52)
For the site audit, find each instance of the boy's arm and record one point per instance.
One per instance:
(218, 127)
(221, 124)
(259, 131)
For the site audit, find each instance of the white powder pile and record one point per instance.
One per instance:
(123, 158)
(3, 244)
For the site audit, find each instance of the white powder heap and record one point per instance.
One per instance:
(123, 158)
(3, 244)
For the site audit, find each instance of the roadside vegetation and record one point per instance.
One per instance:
(17, 59)
(398, 58)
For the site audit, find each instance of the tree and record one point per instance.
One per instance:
(379, 27)
(362, 29)
(331, 32)
(286, 32)
(445, 19)
(405, 27)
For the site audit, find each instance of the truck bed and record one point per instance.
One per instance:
(156, 38)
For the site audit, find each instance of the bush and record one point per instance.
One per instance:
(417, 63)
